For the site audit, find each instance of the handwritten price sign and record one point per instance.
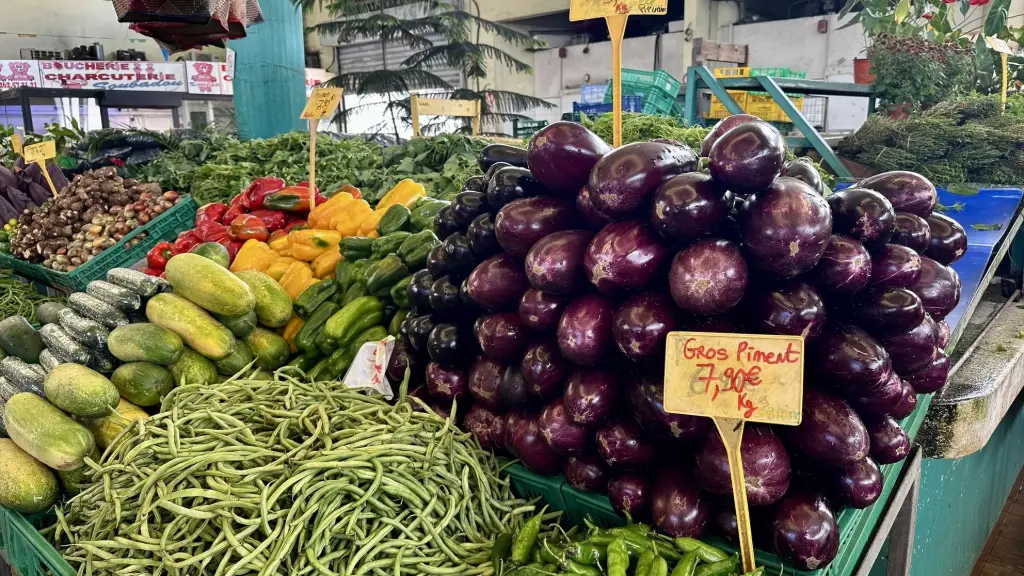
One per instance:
(40, 152)
(587, 9)
(746, 376)
(322, 103)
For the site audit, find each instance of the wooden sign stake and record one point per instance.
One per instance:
(321, 104)
(314, 124)
(731, 430)
(40, 153)
(617, 31)
(1004, 56)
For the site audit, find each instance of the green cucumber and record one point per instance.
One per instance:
(239, 358)
(145, 342)
(240, 326)
(142, 383)
(47, 312)
(80, 391)
(193, 368)
(46, 433)
(26, 485)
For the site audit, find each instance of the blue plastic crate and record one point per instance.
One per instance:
(593, 93)
(629, 104)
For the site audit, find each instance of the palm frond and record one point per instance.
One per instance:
(357, 7)
(469, 56)
(461, 21)
(387, 81)
(375, 27)
(505, 102)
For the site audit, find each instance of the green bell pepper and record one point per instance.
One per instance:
(343, 275)
(356, 247)
(400, 292)
(362, 313)
(395, 326)
(372, 334)
(305, 362)
(389, 244)
(305, 340)
(381, 276)
(415, 249)
(355, 291)
(423, 213)
(331, 367)
(312, 297)
(394, 219)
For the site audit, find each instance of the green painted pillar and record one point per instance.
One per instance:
(270, 77)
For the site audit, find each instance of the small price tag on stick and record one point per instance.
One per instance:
(615, 14)
(16, 144)
(732, 379)
(321, 104)
(40, 153)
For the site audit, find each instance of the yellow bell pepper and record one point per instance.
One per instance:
(348, 220)
(405, 193)
(279, 267)
(253, 255)
(296, 279)
(280, 245)
(291, 329)
(369, 224)
(323, 266)
(320, 217)
(309, 243)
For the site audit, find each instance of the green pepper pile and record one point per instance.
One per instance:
(368, 299)
(632, 550)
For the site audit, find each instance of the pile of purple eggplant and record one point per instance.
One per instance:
(564, 269)
(25, 187)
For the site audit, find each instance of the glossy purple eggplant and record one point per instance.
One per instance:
(748, 158)
(932, 377)
(485, 383)
(641, 323)
(501, 336)
(882, 401)
(708, 277)
(864, 215)
(497, 283)
(907, 403)
(689, 206)
(895, 265)
(624, 255)
(591, 216)
(561, 156)
(889, 443)
(530, 447)
(914, 349)
(844, 268)
(480, 422)
(563, 435)
(907, 191)
(586, 472)
(858, 485)
(630, 493)
(585, 329)
(621, 445)
(804, 531)
(678, 509)
(545, 369)
(785, 227)
(446, 384)
(646, 396)
(830, 432)
(540, 311)
(849, 359)
(590, 396)
(788, 308)
(938, 288)
(885, 311)
(947, 242)
(911, 231)
(627, 176)
(721, 127)
(555, 263)
(765, 465)
(514, 390)
(521, 223)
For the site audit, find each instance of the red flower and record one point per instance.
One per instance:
(927, 15)
(978, 2)
(950, 1)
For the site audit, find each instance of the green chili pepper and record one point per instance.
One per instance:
(551, 553)
(618, 557)
(571, 567)
(686, 565)
(586, 554)
(759, 571)
(720, 568)
(643, 565)
(705, 552)
(502, 546)
(526, 538)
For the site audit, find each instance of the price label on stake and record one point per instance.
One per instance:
(732, 379)
(615, 14)
(321, 104)
(40, 153)
(16, 144)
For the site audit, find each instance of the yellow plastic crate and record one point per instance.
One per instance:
(761, 106)
(741, 72)
(779, 116)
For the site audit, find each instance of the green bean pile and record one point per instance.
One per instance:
(287, 477)
(19, 299)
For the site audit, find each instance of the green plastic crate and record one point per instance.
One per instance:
(181, 217)
(526, 484)
(658, 89)
(25, 549)
(526, 128)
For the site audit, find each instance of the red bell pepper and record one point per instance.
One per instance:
(186, 241)
(211, 232)
(305, 184)
(158, 256)
(232, 213)
(272, 219)
(233, 247)
(153, 272)
(212, 212)
(299, 223)
(248, 227)
(252, 198)
(292, 199)
(347, 188)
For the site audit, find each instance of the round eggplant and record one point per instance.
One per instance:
(514, 390)
(563, 435)
(881, 401)
(944, 333)
(476, 183)
(948, 240)
(803, 169)
(590, 396)
(885, 311)
(480, 422)
(844, 268)
(445, 224)
(520, 224)
(850, 360)
(689, 206)
(721, 127)
(493, 153)
(437, 261)
(858, 485)
(708, 277)
(914, 349)
(911, 231)
(446, 344)
(511, 183)
(677, 508)
(641, 324)
(932, 377)
(586, 472)
(907, 404)
(585, 329)
(419, 290)
(544, 369)
(907, 191)
(444, 298)
(529, 445)
(889, 443)
(623, 255)
(561, 156)
(501, 336)
(446, 384)
(485, 383)
(863, 214)
(623, 178)
(830, 432)
(402, 359)
(646, 397)
(765, 465)
(785, 227)
(748, 158)
(497, 283)
(590, 215)
(458, 255)
(630, 493)
(895, 265)
(489, 173)
(938, 288)
(481, 236)
(467, 205)
(420, 329)
(621, 446)
(804, 531)
(555, 263)
(790, 308)
(540, 311)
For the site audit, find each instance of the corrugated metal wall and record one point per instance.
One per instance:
(365, 56)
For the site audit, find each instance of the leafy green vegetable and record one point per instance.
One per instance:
(987, 226)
